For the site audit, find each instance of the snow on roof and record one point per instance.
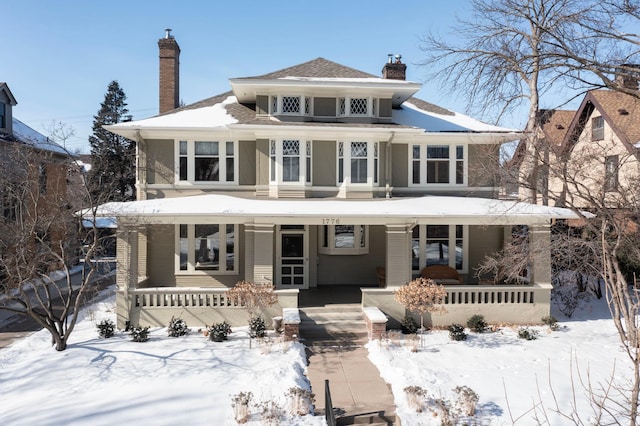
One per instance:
(411, 115)
(29, 136)
(205, 117)
(214, 205)
(350, 80)
(108, 222)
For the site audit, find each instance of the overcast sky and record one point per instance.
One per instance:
(59, 56)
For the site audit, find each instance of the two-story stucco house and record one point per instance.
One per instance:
(314, 177)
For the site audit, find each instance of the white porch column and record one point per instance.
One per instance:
(398, 264)
(249, 252)
(540, 242)
(263, 254)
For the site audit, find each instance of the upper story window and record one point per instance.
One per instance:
(291, 105)
(357, 162)
(438, 164)
(357, 107)
(611, 173)
(207, 161)
(290, 161)
(207, 247)
(597, 128)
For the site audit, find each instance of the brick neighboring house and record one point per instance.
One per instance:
(35, 171)
(317, 176)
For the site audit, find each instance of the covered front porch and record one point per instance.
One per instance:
(305, 246)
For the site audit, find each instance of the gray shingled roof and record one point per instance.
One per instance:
(316, 68)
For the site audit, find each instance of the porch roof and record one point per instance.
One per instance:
(216, 208)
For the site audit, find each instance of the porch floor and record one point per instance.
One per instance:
(324, 295)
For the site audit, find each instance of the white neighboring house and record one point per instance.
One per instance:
(311, 178)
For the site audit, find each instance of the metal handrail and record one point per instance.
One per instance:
(329, 415)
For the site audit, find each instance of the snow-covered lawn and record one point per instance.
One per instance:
(164, 381)
(510, 375)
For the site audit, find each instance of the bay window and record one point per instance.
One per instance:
(291, 105)
(437, 164)
(357, 107)
(362, 161)
(344, 239)
(206, 161)
(290, 161)
(210, 248)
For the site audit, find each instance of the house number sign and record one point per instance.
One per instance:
(330, 221)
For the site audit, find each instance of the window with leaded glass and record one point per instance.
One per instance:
(375, 162)
(358, 162)
(273, 162)
(290, 160)
(308, 161)
(340, 162)
(342, 106)
(611, 173)
(307, 105)
(358, 106)
(291, 105)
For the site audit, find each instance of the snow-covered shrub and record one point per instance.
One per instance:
(257, 327)
(415, 397)
(300, 401)
(551, 322)
(476, 323)
(465, 404)
(240, 403)
(271, 413)
(219, 331)
(456, 332)
(106, 328)
(527, 333)
(139, 334)
(177, 327)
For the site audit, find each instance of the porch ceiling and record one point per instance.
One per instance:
(215, 208)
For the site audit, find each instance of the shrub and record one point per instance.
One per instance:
(219, 331)
(177, 327)
(415, 397)
(257, 327)
(409, 325)
(106, 328)
(527, 333)
(240, 404)
(139, 334)
(476, 323)
(300, 401)
(422, 295)
(466, 402)
(456, 332)
(551, 322)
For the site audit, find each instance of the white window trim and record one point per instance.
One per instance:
(302, 163)
(191, 249)
(372, 173)
(372, 110)
(422, 248)
(222, 155)
(277, 100)
(331, 248)
(452, 165)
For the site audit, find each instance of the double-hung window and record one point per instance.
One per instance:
(439, 245)
(437, 164)
(290, 161)
(357, 162)
(206, 161)
(597, 128)
(611, 173)
(210, 248)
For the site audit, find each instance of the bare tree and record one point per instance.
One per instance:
(39, 234)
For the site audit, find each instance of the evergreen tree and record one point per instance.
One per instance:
(112, 175)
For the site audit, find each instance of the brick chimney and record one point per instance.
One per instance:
(169, 72)
(394, 70)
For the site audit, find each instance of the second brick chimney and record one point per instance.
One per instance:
(394, 70)
(169, 72)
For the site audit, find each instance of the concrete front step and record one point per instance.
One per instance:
(334, 325)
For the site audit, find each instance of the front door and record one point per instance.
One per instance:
(293, 257)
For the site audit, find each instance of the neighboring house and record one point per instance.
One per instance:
(35, 170)
(314, 177)
(592, 157)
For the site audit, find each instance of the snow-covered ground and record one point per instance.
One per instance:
(511, 376)
(164, 381)
(190, 380)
